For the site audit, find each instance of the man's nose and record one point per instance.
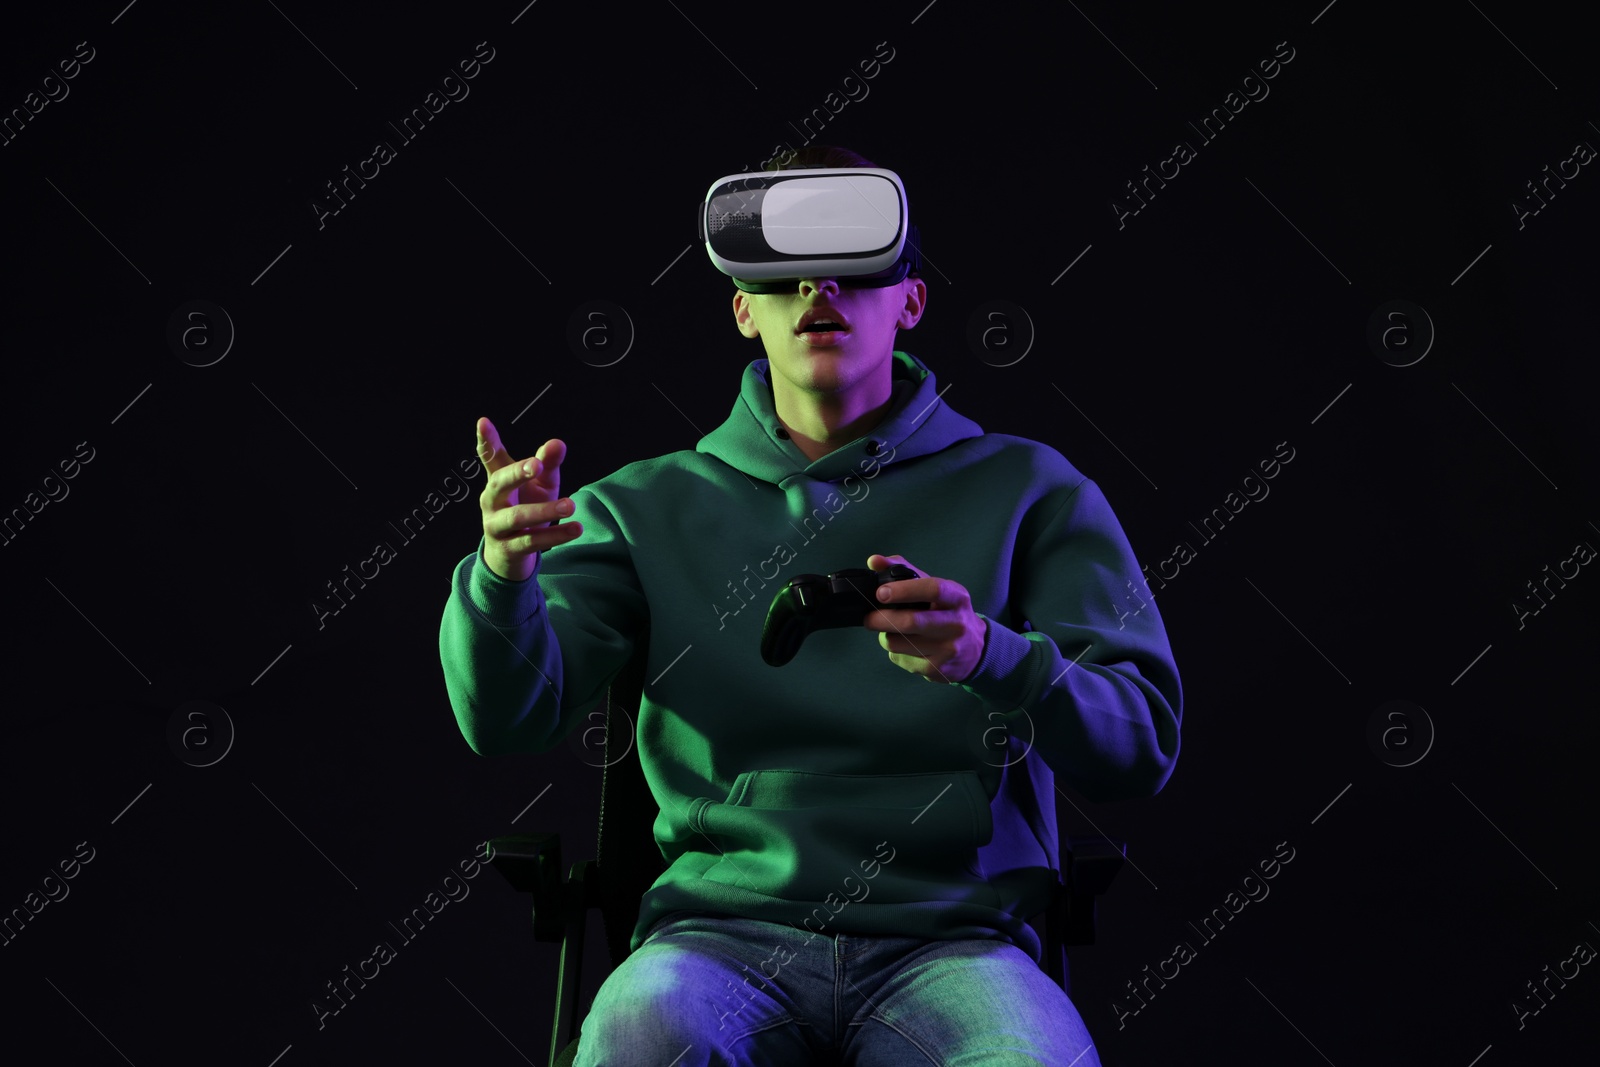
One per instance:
(811, 285)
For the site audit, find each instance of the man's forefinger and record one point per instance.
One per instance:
(911, 590)
(489, 449)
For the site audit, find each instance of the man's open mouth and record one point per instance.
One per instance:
(822, 320)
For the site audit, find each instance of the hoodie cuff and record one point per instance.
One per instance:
(500, 600)
(1001, 676)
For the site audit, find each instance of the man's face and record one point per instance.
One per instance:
(821, 361)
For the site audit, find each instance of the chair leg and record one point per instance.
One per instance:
(1055, 953)
(569, 991)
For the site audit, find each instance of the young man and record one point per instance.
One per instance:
(852, 855)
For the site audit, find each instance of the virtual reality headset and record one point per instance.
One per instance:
(769, 229)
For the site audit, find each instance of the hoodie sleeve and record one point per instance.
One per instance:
(525, 661)
(1093, 682)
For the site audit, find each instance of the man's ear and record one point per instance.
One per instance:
(916, 294)
(741, 314)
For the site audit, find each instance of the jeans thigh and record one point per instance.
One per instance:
(960, 1002)
(695, 992)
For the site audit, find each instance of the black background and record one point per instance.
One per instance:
(1229, 315)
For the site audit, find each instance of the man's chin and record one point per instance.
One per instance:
(816, 373)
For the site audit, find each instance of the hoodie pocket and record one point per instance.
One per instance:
(798, 835)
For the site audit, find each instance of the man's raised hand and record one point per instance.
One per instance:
(522, 504)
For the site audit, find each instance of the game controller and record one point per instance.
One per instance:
(811, 602)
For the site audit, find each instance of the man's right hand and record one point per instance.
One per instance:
(521, 505)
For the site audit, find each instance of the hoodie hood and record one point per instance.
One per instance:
(918, 423)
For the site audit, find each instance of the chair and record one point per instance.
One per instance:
(628, 862)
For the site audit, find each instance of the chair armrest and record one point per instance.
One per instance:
(1092, 864)
(1088, 866)
(532, 864)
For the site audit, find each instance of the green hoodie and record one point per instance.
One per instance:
(838, 792)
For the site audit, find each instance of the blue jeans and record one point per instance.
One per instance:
(712, 989)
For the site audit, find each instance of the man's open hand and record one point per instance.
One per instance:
(522, 504)
(943, 643)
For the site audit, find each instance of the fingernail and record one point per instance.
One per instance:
(527, 469)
